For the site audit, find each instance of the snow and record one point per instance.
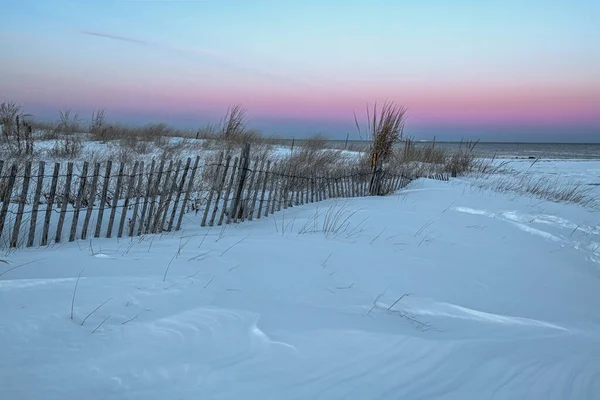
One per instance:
(444, 290)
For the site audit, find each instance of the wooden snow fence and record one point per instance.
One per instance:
(47, 203)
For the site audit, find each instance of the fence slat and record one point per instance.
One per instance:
(228, 191)
(2, 180)
(301, 190)
(103, 199)
(153, 194)
(91, 201)
(264, 189)
(22, 201)
(173, 189)
(188, 193)
(146, 199)
(247, 198)
(363, 185)
(395, 182)
(50, 203)
(312, 187)
(295, 189)
(259, 179)
(65, 203)
(82, 183)
(219, 190)
(388, 183)
(347, 187)
(36, 203)
(279, 188)
(130, 185)
(179, 191)
(169, 190)
(115, 201)
(215, 179)
(290, 191)
(271, 190)
(161, 212)
(299, 193)
(7, 194)
(321, 188)
(285, 189)
(306, 182)
(138, 196)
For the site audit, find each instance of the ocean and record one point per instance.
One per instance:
(555, 151)
(532, 150)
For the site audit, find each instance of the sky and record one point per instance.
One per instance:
(497, 70)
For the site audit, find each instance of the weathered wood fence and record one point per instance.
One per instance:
(44, 203)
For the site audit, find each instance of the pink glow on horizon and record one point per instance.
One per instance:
(457, 103)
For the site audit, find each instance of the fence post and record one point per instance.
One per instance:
(36, 202)
(49, 205)
(91, 200)
(237, 200)
(82, 182)
(22, 201)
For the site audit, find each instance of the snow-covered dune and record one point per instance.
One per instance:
(444, 291)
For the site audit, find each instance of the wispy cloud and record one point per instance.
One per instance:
(211, 56)
(168, 1)
(223, 60)
(117, 37)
